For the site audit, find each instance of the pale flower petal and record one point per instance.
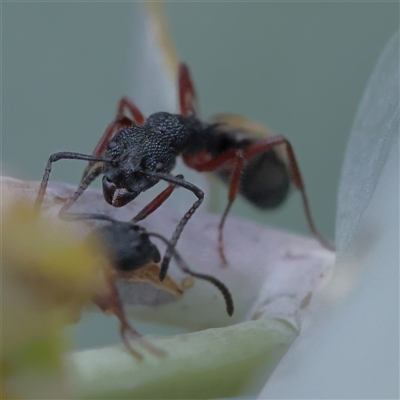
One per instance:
(272, 276)
(351, 350)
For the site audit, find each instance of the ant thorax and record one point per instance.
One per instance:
(180, 131)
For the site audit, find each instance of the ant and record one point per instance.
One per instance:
(256, 163)
(135, 153)
(129, 249)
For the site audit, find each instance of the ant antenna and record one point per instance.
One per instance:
(184, 267)
(178, 230)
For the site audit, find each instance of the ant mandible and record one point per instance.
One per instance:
(135, 153)
(129, 248)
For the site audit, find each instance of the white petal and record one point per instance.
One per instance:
(351, 350)
(154, 84)
(272, 276)
(270, 272)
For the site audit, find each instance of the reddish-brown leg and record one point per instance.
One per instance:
(120, 121)
(200, 163)
(187, 94)
(296, 177)
(136, 116)
(111, 302)
(155, 203)
(233, 191)
(251, 151)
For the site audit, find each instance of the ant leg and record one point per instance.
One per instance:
(126, 102)
(119, 122)
(155, 203)
(178, 230)
(63, 214)
(296, 177)
(214, 281)
(112, 303)
(187, 94)
(250, 152)
(64, 155)
(198, 164)
(233, 191)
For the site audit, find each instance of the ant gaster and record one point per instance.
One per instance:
(129, 249)
(134, 154)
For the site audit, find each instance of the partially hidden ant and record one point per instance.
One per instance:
(129, 249)
(135, 153)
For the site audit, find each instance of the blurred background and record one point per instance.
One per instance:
(299, 68)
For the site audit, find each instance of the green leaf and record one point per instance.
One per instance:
(207, 364)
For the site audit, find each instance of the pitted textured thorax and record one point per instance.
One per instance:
(179, 131)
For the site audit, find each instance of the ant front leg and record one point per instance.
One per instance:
(63, 214)
(64, 155)
(155, 203)
(178, 230)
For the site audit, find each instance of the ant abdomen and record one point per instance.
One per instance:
(265, 180)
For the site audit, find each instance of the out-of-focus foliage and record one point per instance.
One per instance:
(47, 276)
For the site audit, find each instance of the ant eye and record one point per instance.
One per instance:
(112, 144)
(159, 166)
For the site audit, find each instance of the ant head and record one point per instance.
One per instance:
(133, 152)
(128, 245)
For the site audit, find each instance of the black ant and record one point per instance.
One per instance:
(135, 153)
(129, 249)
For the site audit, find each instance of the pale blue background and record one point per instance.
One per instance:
(300, 68)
